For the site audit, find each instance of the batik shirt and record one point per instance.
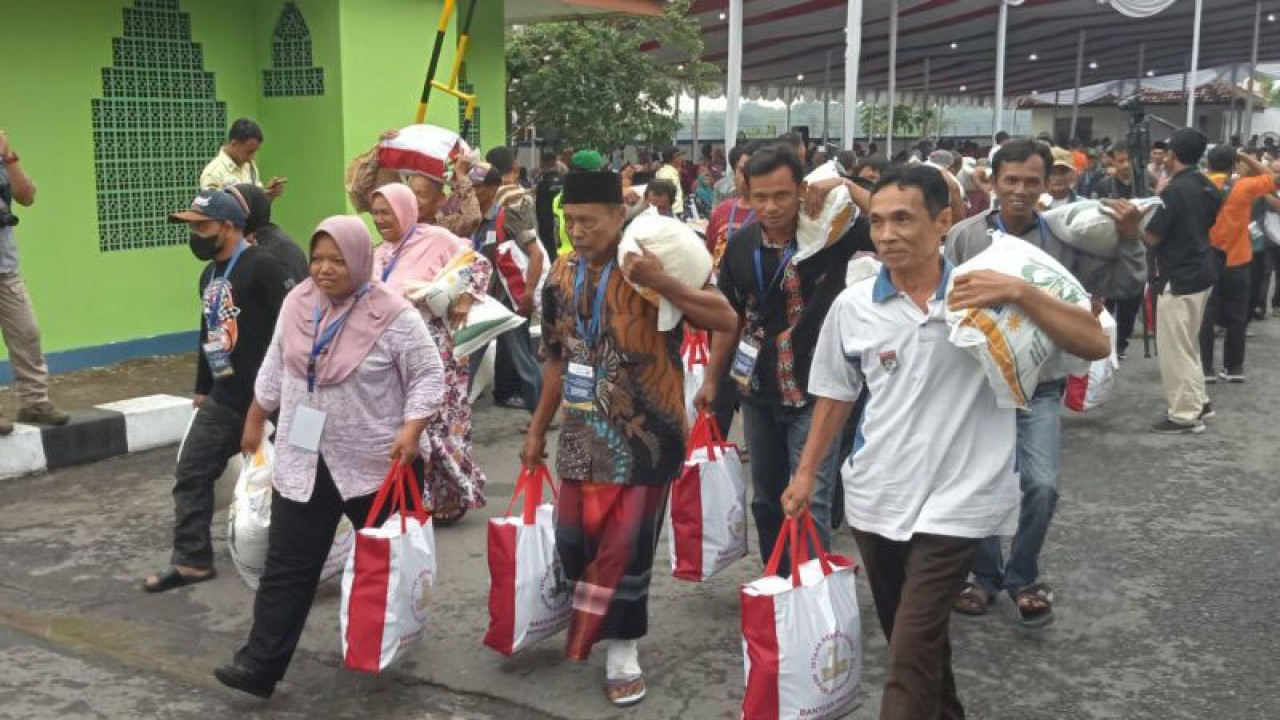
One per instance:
(634, 435)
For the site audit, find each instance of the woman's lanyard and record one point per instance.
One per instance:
(732, 226)
(212, 313)
(782, 268)
(590, 332)
(395, 256)
(324, 338)
(1044, 234)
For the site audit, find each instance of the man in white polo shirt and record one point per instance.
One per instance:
(932, 470)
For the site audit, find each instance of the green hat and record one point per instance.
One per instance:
(589, 160)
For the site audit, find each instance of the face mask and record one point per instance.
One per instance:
(204, 248)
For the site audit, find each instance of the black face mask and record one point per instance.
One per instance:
(204, 248)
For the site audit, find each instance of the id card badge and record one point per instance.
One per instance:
(491, 238)
(580, 386)
(744, 361)
(308, 426)
(218, 355)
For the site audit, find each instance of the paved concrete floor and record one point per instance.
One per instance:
(1163, 555)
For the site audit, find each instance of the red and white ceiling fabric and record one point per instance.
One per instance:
(784, 39)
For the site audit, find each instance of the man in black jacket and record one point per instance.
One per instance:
(259, 230)
(241, 290)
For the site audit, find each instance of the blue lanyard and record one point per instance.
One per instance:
(324, 338)
(211, 313)
(733, 216)
(590, 334)
(395, 257)
(1044, 234)
(782, 267)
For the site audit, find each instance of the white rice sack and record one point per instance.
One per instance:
(862, 266)
(422, 150)
(1089, 226)
(683, 255)
(437, 295)
(1010, 348)
(837, 214)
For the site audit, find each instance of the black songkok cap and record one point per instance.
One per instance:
(586, 186)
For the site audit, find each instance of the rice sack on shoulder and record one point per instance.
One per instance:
(1010, 348)
(683, 255)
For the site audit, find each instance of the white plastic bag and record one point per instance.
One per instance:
(529, 597)
(707, 512)
(386, 586)
(249, 518)
(1010, 348)
(801, 636)
(695, 353)
(1090, 390)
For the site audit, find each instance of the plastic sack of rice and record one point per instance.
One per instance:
(836, 215)
(1010, 348)
(1089, 226)
(683, 255)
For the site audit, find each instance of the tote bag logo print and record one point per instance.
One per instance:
(422, 594)
(832, 663)
(553, 589)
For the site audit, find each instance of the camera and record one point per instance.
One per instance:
(7, 219)
(1133, 106)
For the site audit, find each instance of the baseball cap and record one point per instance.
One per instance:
(225, 204)
(588, 160)
(1063, 158)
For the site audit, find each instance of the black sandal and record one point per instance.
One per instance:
(973, 600)
(172, 578)
(1040, 598)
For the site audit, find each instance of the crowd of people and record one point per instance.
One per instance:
(854, 405)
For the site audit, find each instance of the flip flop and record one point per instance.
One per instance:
(973, 600)
(625, 692)
(1038, 594)
(172, 578)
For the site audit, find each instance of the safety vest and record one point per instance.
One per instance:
(557, 208)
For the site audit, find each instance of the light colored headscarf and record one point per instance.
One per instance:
(423, 250)
(373, 307)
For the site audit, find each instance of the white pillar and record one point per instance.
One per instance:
(733, 84)
(694, 130)
(1075, 94)
(1002, 31)
(826, 101)
(1253, 72)
(852, 53)
(924, 131)
(1195, 65)
(893, 75)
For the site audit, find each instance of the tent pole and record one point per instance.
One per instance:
(852, 53)
(1253, 71)
(1229, 120)
(1075, 93)
(1142, 60)
(733, 85)
(1195, 65)
(790, 95)
(893, 75)
(694, 132)
(1002, 32)
(924, 130)
(826, 101)
(1056, 99)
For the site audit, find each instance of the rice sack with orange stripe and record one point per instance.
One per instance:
(1014, 352)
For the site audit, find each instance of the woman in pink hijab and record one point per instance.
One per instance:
(412, 252)
(356, 378)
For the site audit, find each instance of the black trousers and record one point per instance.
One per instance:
(299, 541)
(1259, 281)
(213, 439)
(516, 370)
(1273, 252)
(1229, 307)
(1126, 315)
(914, 585)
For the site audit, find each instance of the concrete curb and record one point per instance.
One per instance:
(101, 432)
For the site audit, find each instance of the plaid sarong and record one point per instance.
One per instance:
(606, 535)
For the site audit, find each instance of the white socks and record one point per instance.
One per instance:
(623, 660)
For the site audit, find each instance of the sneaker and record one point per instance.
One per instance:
(6, 426)
(1169, 427)
(1232, 377)
(43, 414)
(1210, 378)
(1250, 333)
(1207, 412)
(1122, 355)
(1275, 312)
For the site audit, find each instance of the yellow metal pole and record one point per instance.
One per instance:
(441, 29)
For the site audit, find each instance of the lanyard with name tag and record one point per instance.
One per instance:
(218, 344)
(580, 380)
(308, 422)
(748, 354)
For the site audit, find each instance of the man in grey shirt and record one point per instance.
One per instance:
(17, 321)
(1021, 169)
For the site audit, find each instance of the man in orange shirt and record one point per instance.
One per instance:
(1233, 252)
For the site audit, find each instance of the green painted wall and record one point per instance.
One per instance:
(487, 70)
(374, 53)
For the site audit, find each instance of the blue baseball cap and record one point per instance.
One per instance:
(222, 205)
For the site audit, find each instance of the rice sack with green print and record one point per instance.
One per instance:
(1088, 225)
(1012, 350)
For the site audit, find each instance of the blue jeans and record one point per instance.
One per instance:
(1039, 462)
(775, 438)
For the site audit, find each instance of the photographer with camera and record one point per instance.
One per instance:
(17, 321)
